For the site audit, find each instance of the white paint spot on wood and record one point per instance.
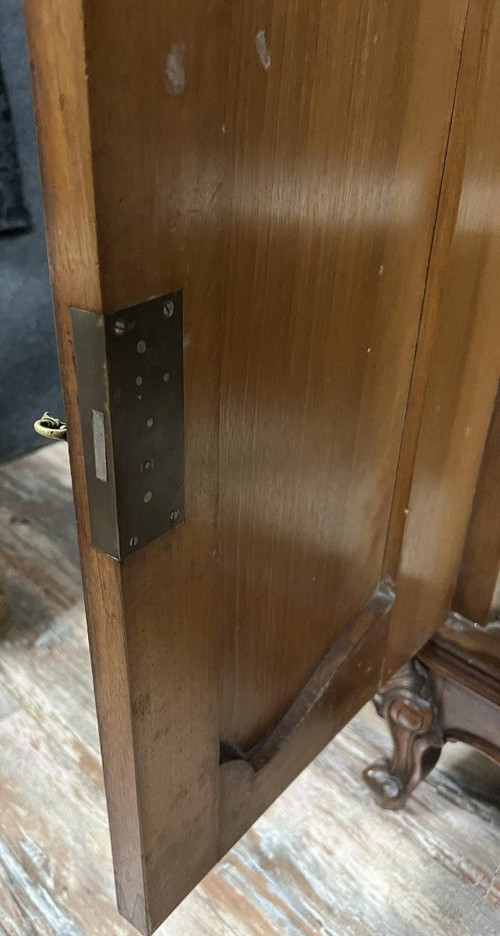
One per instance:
(368, 350)
(175, 69)
(262, 49)
(381, 269)
(223, 128)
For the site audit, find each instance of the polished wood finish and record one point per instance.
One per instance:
(452, 690)
(336, 161)
(432, 700)
(477, 595)
(410, 705)
(367, 628)
(470, 656)
(283, 165)
(134, 208)
(458, 357)
(246, 792)
(322, 858)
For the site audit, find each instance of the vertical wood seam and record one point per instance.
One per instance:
(392, 551)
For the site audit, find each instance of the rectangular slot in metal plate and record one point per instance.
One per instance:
(101, 461)
(129, 367)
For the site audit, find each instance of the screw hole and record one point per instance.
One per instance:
(141, 346)
(168, 308)
(147, 497)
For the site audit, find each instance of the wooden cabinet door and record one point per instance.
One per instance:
(279, 164)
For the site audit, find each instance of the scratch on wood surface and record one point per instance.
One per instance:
(262, 49)
(175, 68)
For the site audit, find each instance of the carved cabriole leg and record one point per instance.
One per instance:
(408, 704)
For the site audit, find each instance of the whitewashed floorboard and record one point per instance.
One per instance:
(323, 861)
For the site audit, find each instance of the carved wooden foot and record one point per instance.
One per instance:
(407, 703)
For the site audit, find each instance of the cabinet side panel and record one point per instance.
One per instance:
(477, 595)
(463, 356)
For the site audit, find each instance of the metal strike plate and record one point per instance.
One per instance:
(129, 368)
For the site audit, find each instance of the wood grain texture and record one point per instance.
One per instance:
(468, 654)
(468, 690)
(411, 705)
(425, 706)
(281, 164)
(359, 639)
(458, 358)
(477, 593)
(321, 860)
(337, 152)
(132, 210)
(246, 794)
(470, 717)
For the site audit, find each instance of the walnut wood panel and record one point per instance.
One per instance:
(332, 224)
(369, 625)
(133, 175)
(477, 595)
(280, 163)
(425, 707)
(247, 789)
(469, 654)
(410, 705)
(305, 373)
(470, 717)
(457, 366)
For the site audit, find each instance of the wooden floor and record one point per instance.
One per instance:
(323, 861)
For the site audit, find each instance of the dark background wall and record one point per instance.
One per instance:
(29, 381)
